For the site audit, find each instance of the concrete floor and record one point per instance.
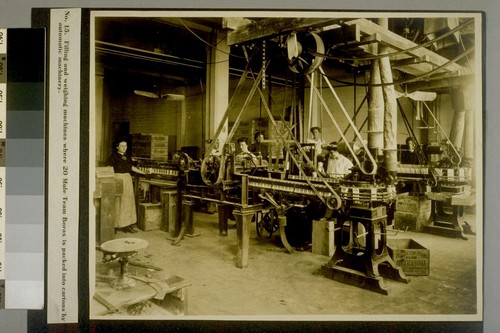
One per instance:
(278, 285)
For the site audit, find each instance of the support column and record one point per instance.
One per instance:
(181, 130)
(375, 112)
(469, 134)
(314, 110)
(243, 221)
(458, 124)
(217, 97)
(390, 110)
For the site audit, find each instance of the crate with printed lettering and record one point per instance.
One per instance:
(411, 256)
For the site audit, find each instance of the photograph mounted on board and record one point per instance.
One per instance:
(285, 165)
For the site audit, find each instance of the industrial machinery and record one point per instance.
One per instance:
(448, 181)
(360, 203)
(159, 189)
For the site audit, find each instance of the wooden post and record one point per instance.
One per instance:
(458, 124)
(375, 111)
(244, 190)
(314, 111)
(390, 109)
(217, 97)
(243, 221)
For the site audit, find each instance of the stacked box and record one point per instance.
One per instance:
(412, 212)
(149, 216)
(323, 237)
(150, 146)
(412, 257)
(412, 203)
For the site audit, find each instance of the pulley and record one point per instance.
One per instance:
(300, 60)
(210, 169)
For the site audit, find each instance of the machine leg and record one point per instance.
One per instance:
(443, 223)
(284, 240)
(187, 221)
(223, 211)
(243, 221)
(363, 266)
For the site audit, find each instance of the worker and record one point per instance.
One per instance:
(410, 155)
(335, 164)
(244, 149)
(316, 139)
(259, 148)
(125, 212)
(216, 149)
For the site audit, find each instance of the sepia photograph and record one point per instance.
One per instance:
(284, 165)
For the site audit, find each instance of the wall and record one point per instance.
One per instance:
(162, 116)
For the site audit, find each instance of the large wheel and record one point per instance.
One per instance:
(300, 59)
(268, 224)
(210, 170)
(183, 162)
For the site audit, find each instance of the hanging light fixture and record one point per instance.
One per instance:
(168, 97)
(417, 95)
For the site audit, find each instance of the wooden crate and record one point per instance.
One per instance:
(412, 203)
(323, 237)
(151, 146)
(412, 257)
(411, 221)
(149, 216)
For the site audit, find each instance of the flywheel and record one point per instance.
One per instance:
(210, 169)
(300, 59)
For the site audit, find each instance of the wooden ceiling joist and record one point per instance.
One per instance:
(399, 43)
(437, 83)
(189, 23)
(271, 27)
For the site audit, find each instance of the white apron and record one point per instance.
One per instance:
(125, 213)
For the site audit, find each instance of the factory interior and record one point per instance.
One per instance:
(232, 127)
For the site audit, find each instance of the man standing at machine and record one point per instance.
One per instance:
(410, 155)
(335, 164)
(259, 148)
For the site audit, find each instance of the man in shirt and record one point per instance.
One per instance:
(335, 164)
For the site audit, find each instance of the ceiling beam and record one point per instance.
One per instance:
(233, 23)
(441, 82)
(399, 43)
(185, 22)
(271, 27)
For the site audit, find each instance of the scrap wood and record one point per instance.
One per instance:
(111, 308)
(161, 287)
(144, 265)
